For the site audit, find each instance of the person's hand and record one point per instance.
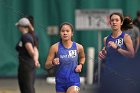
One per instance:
(112, 44)
(102, 54)
(37, 64)
(78, 68)
(56, 61)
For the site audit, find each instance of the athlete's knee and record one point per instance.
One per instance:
(73, 89)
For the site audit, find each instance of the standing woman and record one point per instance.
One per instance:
(64, 56)
(28, 57)
(118, 47)
(131, 30)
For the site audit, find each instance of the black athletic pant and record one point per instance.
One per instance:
(26, 76)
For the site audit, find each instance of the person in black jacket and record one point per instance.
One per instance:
(129, 28)
(28, 56)
(136, 22)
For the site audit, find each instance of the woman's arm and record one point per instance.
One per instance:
(81, 58)
(33, 52)
(30, 49)
(81, 55)
(36, 53)
(36, 57)
(49, 62)
(102, 53)
(130, 50)
(137, 44)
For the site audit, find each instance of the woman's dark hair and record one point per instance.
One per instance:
(66, 23)
(31, 19)
(138, 13)
(119, 14)
(127, 23)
